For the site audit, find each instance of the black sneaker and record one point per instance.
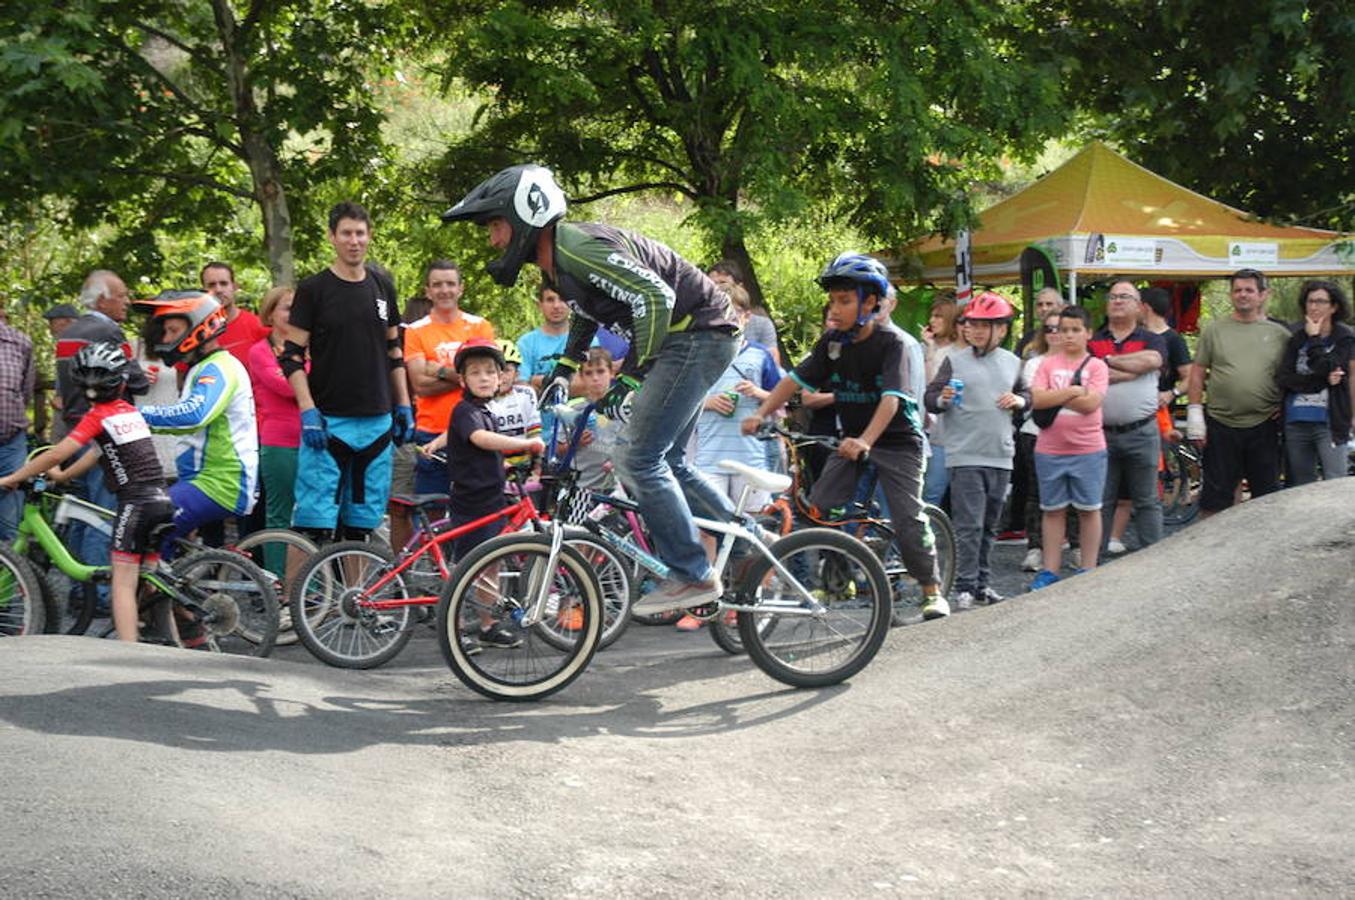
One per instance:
(500, 636)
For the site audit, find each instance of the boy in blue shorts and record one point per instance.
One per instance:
(1070, 454)
(865, 366)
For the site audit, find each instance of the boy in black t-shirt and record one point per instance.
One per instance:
(475, 453)
(131, 470)
(865, 367)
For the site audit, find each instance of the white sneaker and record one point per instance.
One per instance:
(1034, 560)
(1114, 547)
(989, 596)
(964, 601)
(935, 607)
(674, 594)
(1075, 557)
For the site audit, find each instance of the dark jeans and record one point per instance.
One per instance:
(1231, 454)
(1131, 468)
(976, 496)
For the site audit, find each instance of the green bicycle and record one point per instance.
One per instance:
(223, 592)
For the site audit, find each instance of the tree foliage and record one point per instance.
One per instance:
(880, 112)
(159, 115)
(1250, 102)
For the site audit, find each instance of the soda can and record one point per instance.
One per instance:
(958, 385)
(733, 398)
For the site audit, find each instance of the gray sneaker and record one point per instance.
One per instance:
(674, 594)
(987, 595)
(1034, 560)
(964, 601)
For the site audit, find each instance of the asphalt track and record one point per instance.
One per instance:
(1178, 723)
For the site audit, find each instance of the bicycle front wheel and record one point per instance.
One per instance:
(613, 575)
(337, 608)
(23, 608)
(280, 554)
(239, 606)
(831, 630)
(499, 589)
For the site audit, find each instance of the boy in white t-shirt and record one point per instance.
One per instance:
(1070, 454)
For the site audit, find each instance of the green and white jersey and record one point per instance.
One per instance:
(637, 288)
(218, 443)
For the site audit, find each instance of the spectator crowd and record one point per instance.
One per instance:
(313, 413)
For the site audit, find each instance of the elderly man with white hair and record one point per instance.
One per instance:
(105, 299)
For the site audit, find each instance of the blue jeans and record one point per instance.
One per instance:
(12, 453)
(649, 454)
(937, 477)
(1131, 464)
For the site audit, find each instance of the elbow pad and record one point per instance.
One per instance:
(293, 358)
(395, 354)
(395, 362)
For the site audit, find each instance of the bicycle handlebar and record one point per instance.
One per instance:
(769, 430)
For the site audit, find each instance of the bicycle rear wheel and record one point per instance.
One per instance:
(332, 612)
(498, 584)
(825, 640)
(280, 554)
(238, 599)
(23, 607)
(1180, 481)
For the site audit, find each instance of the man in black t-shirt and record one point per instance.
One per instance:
(355, 398)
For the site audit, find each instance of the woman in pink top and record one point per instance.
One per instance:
(1070, 455)
(276, 410)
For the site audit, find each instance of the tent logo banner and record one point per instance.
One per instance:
(1129, 251)
(1250, 253)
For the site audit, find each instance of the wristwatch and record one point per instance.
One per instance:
(441, 373)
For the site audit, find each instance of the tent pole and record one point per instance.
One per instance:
(1072, 288)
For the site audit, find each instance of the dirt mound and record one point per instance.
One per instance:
(1178, 722)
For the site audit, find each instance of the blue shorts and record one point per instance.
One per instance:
(348, 483)
(430, 476)
(192, 510)
(1075, 479)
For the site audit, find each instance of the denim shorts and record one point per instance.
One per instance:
(1075, 479)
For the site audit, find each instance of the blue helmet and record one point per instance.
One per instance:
(867, 272)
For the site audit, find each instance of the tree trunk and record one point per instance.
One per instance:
(733, 248)
(265, 168)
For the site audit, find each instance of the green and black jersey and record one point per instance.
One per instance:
(636, 287)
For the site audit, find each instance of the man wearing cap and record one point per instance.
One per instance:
(58, 318)
(16, 391)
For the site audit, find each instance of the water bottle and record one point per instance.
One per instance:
(957, 384)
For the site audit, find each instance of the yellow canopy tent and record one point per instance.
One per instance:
(1100, 214)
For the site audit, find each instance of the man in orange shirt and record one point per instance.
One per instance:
(430, 346)
(243, 328)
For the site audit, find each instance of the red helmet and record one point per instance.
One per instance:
(988, 307)
(477, 347)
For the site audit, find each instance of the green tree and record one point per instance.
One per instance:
(881, 113)
(159, 115)
(1251, 102)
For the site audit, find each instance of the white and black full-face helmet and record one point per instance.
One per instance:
(528, 198)
(100, 370)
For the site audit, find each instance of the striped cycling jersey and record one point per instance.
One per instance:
(218, 447)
